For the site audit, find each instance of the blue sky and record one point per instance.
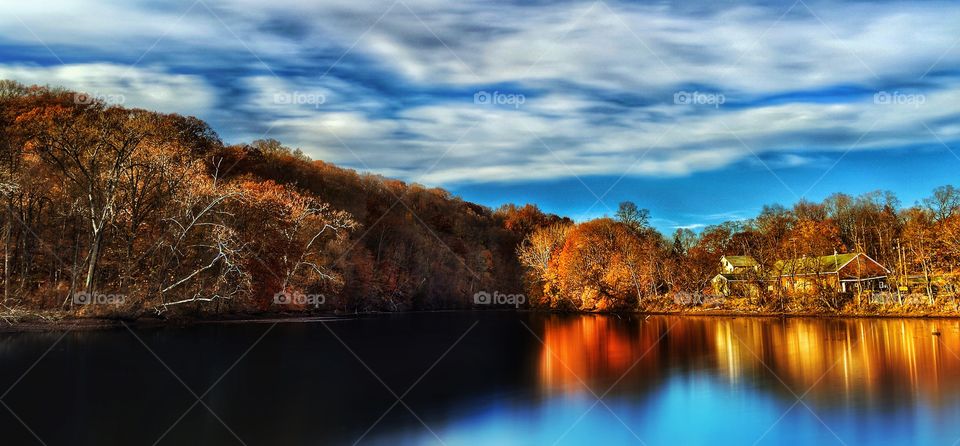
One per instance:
(700, 111)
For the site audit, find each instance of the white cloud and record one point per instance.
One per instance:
(599, 78)
(469, 143)
(143, 87)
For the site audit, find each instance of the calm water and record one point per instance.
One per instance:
(488, 378)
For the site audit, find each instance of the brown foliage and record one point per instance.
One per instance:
(154, 207)
(600, 265)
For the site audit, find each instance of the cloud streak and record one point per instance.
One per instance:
(599, 79)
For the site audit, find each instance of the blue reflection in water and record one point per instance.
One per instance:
(515, 379)
(686, 410)
(861, 382)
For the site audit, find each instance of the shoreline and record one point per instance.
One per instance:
(774, 314)
(35, 323)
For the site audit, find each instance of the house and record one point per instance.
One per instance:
(738, 276)
(844, 273)
(738, 264)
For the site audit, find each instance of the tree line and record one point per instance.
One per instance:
(156, 208)
(617, 263)
(101, 199)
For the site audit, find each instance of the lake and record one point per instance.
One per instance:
(497, 378)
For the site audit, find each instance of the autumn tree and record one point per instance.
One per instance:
(296, 235)
(604, 265)
(538, 253)
(527, 218)
(944, 203)
(91, 148)
(767, 239)
(919, 238)
(634, 217)
(812, 238)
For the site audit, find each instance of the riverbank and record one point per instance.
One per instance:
(808, 307)
(57, 321)
(811, 314)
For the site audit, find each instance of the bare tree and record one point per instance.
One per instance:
(200, 257)
(311, 226)
(944, 202)
(92, 150)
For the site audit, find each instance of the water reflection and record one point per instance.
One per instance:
(690, 380)
(876, 363)
(663, 381)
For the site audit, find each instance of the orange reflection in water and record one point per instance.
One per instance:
(859, 361)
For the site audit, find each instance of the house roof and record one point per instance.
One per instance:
(812, 265)
(829, 264)
(741, 261)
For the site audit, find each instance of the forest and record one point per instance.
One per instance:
(621, 263)
(152, 214)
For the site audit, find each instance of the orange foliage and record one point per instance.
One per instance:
(155, 207)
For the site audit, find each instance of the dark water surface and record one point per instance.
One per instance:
(488, 378)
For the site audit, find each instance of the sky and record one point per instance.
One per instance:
(699, 111)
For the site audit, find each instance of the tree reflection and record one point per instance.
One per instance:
(876, 363)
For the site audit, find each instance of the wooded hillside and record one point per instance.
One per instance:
(107, 201)
(153, 213)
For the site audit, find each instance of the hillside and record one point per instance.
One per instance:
(151, 212)
(117, 212)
